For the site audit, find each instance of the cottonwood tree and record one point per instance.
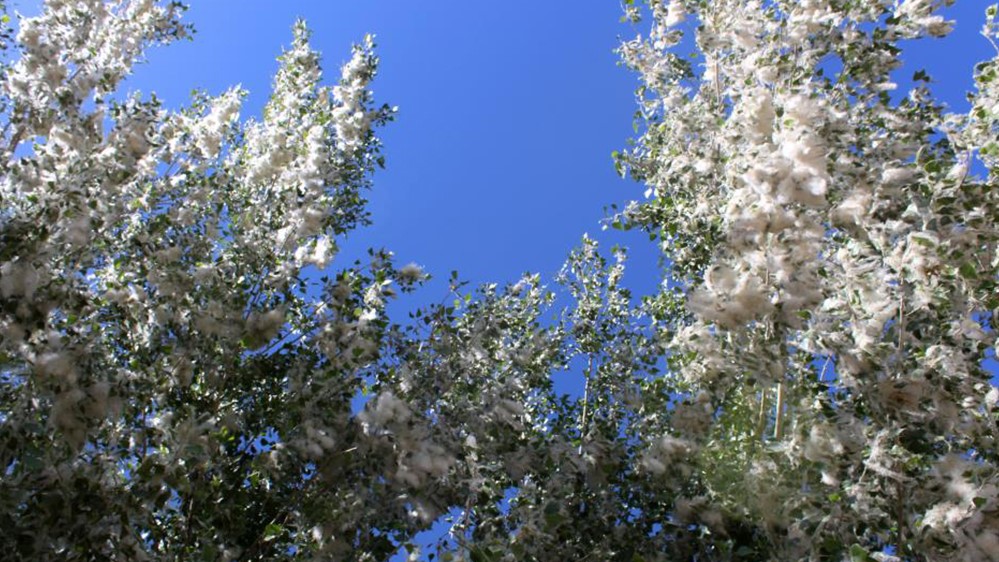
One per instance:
(180, 360)
(183, 363)
(832, 239)
(174, 384)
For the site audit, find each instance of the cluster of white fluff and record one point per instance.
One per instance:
(668, 453)
(301, 152)
(418, 457)
(209, 132)
(351, 117)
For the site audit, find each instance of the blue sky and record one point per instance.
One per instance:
(508, 112)
(499, 159)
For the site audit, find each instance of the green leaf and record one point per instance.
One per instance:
(968, 271)
(272, 531)
(858, 554)
(481, 555)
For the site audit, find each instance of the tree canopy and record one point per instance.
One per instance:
(188, 372)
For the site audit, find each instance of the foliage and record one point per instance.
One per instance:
(186, 373)
(839, 259)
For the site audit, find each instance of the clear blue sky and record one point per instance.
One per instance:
(499, 159)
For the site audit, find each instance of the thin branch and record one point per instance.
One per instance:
(761, 419)
(586, 403)
(901, 327)
(991, 41)
(900, 517)
(779, 411)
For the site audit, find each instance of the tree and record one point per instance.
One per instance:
(172, 380)
(182, 365)
(835, 254)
